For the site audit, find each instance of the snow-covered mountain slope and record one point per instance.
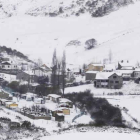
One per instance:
(38, 36)
(62, 8)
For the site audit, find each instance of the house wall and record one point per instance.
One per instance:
(40, 73)
(66, 111)
(136, 74)
(115, 83)
(9, 66)
(101, 83)
(91, 67)
(90, 76)
(26, 77)
(4, 95)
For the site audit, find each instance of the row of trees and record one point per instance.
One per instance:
(107, 7)
(59, 71)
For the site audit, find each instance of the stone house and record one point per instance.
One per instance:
(108, 80)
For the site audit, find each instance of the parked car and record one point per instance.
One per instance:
(83, 129)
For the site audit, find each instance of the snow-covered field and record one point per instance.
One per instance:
(92, 135)
(128, 88)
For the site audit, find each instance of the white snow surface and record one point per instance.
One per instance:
(92, 135)
(38, 36)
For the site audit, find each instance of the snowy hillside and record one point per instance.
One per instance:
(38, 36)
(62, 8)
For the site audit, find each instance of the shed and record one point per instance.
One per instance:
(59, 117)
(39, 101)
(66, 101)
(90, 75)
(66, 111)
(54, 97)
(11, 105)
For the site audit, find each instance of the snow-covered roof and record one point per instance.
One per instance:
(125, 63)
(30, 94)
(127, 67)
(54, 95)
(4, 100)
(23, 83)
(8, 103)
(105, 75)
(92, 71)
(38, 99)
(34, 84)
(137, 69)
(125, 71)
(29, 72)
(97, 65)
(60, 114)
(110, 67)
(64, 100)
(60, 108)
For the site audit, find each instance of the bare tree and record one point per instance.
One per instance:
(39, 64)
(84, 67)
(63, 72)
(110, 56)
(54, 69)
(59, 64)
(138, 64)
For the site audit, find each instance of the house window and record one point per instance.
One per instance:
(8, 66)
(116, 82)
(102, 85)
(97, 86)
(114, 77)
(111, 82)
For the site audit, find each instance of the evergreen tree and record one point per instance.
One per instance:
(63, 72)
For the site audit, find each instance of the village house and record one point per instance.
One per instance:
(9, 64)
(28, 76)
(136, 75)
(29, 96)
(90, 75)
(54, 97)
(42, 71)
(64, 110)
(64, 101)
(108, 80)
(11, 105)
(39, 101)
(59, 117)
(95, 67)
(125, 65)
(126, 74)
(69, 75)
